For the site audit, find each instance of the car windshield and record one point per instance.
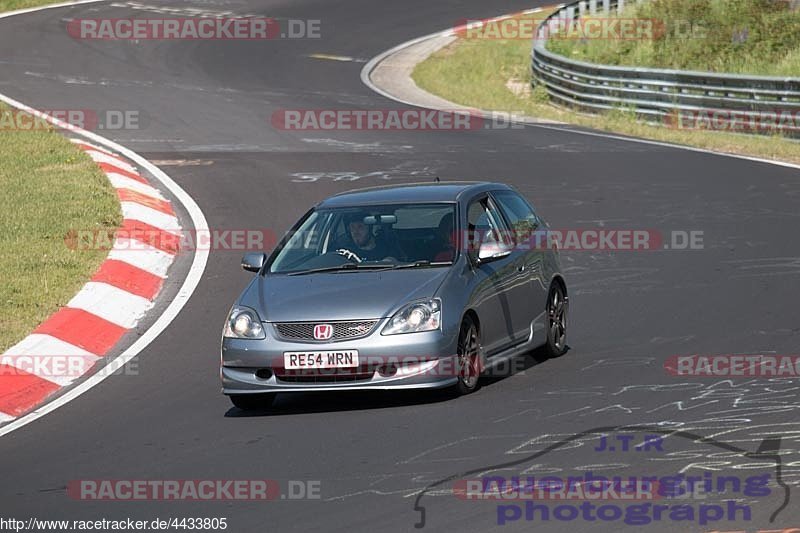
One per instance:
(371, 237)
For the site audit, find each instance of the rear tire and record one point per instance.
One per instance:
(557, 310)
(469, 358)
(247, 402)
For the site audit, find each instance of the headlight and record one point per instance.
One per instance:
(243, 323)
(418, 316)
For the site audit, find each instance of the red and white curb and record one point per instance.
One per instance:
(76, 337)
(154, 265)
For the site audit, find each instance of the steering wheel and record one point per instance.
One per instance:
(349, 255)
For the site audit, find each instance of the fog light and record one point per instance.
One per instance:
(263, 373)
(387, 371)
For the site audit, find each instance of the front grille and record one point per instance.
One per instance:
(325, 379)
(327, 375)
(304, 331)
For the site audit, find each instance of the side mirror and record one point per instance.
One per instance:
(253, 261)
(491, 251)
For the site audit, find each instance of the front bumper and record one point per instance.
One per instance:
(419, 360)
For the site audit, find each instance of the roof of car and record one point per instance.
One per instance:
(445, 191)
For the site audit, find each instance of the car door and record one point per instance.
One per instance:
(523, 221)
(499, 295)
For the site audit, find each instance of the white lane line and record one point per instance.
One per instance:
(49, 358)
(159, 219)
(118, 181)
(185, 292)
(105, 157)
(333, 57)
(142, 256)
(94, 298)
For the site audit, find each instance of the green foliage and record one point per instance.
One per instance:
(736, 36)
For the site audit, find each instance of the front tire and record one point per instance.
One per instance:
(469, 358)
(557, 308)
(248, 402)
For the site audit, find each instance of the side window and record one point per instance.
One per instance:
(484, 223)
(500, 231)
(518, 213)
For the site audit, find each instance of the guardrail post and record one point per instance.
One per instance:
(582, 8)
(553, 26)
(620, 5)
(606, 6)
(592, 6)
(570, 14)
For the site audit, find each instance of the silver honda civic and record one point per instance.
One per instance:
(397, 287)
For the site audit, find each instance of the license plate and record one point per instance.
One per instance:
(330, 359)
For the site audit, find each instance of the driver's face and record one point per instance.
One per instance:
(359, 232)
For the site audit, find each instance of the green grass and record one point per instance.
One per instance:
(11, 5)
(734, 36)
(48, 188)
(474, 72)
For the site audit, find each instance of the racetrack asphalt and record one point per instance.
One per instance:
(206, 108)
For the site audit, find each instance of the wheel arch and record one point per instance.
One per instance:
(474, 316)
(559, 279)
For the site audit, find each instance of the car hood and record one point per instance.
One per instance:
(339, 295)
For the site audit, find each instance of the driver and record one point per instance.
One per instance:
(365, 245)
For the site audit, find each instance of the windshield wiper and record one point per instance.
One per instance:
(372, 266)
(346, 266)
(422, 263)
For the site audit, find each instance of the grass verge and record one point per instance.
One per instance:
(759, 37)
(12, 5)
(494, 74)
(49, 187)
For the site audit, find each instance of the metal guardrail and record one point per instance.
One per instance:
(660, 95)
